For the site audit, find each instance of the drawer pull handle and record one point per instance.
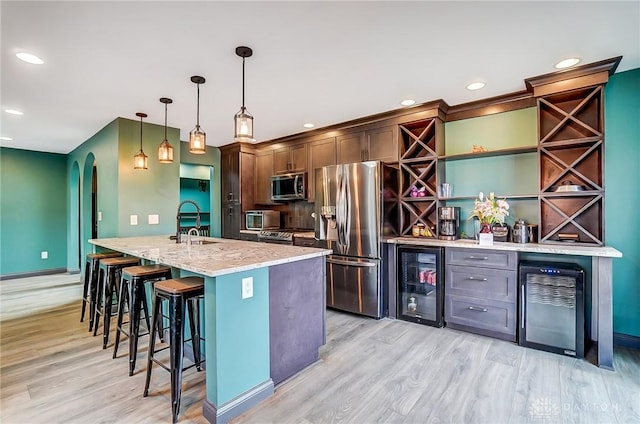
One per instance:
(475, 308)
(478, 258)
(477, 279)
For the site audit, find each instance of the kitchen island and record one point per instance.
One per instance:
(263, 311)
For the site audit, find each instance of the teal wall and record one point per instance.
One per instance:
(155, 190)
(33, 211)
(212, 159)
(123, 191)
(622, 201)
(509, 175)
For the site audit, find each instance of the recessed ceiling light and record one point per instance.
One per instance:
(30, 58)
(308, 125)
(6, 138)
(408, 102)
(14, 112)
(475, 85)
(567, 63)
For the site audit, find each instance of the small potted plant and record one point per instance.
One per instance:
(489, 210)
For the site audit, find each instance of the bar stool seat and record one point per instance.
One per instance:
(179, 292)
(133, 292)
(108, 281)
(91, 282)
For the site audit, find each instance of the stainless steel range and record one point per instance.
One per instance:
(277, 237)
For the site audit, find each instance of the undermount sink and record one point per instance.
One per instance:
(203, 241)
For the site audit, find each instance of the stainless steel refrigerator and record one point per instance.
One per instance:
(354, 207)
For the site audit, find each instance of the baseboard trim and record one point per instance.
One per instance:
(626, 340)
(37, 273)
(237, 406)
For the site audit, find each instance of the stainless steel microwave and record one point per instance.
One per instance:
(289, 186)
(262, 220)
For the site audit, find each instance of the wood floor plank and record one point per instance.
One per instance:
(52, 370)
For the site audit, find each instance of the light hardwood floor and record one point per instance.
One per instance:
(53, 371)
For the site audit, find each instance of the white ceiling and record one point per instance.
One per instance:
(320, 62)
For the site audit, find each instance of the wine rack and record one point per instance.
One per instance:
(420, 146)
(571, 157)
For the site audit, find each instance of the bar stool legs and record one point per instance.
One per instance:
(133, 292)
(90, 283)
(109, 272)
(179, 293)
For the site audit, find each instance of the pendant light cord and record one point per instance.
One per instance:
(141, 133)
(198, 108)
(243, 84)
(165, 121)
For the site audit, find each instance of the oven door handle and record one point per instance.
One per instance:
(350, 263)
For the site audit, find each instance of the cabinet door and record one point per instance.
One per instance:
(281, 161)
(382, 144)
(321, 153)
(264, 171)
(246, 170)
(230, 164)
(350, 147)
(231, 220)
(298, 158)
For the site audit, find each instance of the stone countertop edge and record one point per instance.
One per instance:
(296, 233)
(568, 249)
(225, 256)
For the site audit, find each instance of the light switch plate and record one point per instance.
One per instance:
(247, 287)
(154, 219)
(133, 219)
(99, 215)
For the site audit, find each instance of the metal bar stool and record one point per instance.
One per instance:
(133, 292)
(91, 282)
(108, 281)
(177, 292)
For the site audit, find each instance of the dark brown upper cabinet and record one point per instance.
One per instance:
(372, 144)
(290, 159)
(321, 153)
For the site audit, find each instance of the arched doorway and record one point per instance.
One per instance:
(75, 242)
(89, 222)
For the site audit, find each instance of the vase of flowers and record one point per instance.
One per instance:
(489, 210)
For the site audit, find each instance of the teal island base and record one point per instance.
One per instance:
(254, 343)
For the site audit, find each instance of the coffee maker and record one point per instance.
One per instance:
(448, 222)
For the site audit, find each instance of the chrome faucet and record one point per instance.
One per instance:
(189, 234)
(197, 227)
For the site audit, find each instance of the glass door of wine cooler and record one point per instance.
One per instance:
(420, 297)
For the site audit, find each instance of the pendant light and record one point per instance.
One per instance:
(197, 137)
(243, 120)
(165, 150)
(140, 159)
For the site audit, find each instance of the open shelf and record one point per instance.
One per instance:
(489, 153)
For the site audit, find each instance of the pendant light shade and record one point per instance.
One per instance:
(243, 119)
(140, 159)
(165, 150)
(197, 137)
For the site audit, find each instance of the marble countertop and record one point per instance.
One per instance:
(224, 256)
(557, 249)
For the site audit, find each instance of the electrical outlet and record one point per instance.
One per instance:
(44, 254)
(247, 287)
(133, 219)
(154, 219)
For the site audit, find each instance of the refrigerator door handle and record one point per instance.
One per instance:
(350, 263)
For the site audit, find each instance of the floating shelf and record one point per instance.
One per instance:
(500, 152)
